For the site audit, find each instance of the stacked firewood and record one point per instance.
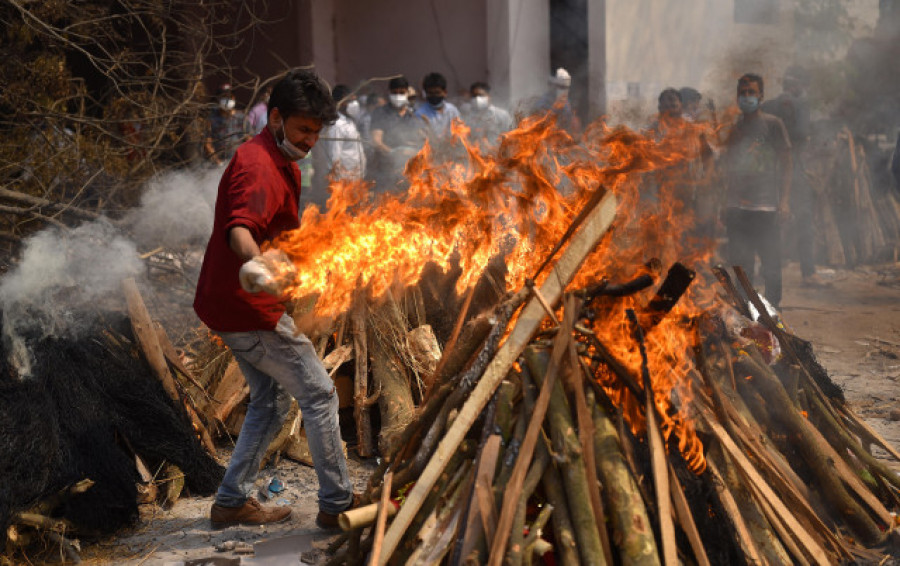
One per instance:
(857, 219)
(520, 449)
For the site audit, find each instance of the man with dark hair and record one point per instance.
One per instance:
(792, 108)
(397, 134)
(436, 109)
(258, 200)
(758, 170)
(486, 120)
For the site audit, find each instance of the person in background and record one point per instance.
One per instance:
(339, 153)
(257, 201)
(259, 113)
(436, 110)
(792, 107)
(556, 100)
(398, 133)
(758, 170)
(690, 104)
(486, 120)
(226, 128)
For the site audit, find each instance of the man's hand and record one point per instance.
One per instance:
(269, 272)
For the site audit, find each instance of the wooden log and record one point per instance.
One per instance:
(231, 391)
(562, 273)
(765, 538)
(148, 341)
(364, 445)
(395, 403)
(484, 477)
(686, 519)
(632, 530)
(572, 468)
(425, 351)
(564, 531)
(384, 508)
(586, 438)
(518, 544)
(745, 540)
(808, 542)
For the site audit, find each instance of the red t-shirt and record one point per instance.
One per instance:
(259, 190)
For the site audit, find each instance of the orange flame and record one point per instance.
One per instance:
(519, 200)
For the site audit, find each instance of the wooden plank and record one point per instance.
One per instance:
(810, 545)
(748, 545)
(381, 522)
(595, 226)
(686, 519)
(484, 478)
(230, 391)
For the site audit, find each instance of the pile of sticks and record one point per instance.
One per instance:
(857, 221)
(518, 451)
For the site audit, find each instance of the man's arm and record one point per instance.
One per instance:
(378, 141)
(242, 243)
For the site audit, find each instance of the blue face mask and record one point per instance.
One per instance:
(748, 104)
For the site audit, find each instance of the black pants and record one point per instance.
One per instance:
(754, 233)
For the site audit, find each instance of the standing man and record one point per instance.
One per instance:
(556, 100)
(437, 110)
(397, 135)
(792, 108)
(257, 201)
(486, 120)
(226, 128)
(757, 166)
(340, 154)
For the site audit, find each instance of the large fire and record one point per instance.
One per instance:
(519, 200)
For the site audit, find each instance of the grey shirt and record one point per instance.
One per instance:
(752, 160)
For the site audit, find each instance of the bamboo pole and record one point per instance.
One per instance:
(384, 507)
(597, 223)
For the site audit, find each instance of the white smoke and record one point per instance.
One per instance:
(67, 278)
(176, 209)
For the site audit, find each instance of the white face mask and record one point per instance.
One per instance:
(353, 109)
(481, 102)
(226, 103)
(288, 149)
(399, 100)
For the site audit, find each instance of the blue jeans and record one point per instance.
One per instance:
(280, 364)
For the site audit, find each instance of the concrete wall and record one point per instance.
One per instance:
(380, 38)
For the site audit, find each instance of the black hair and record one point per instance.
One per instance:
(669, 92)
(689, 94)
(434, 80)
(398, 83)
(480, 84)
(752, 78)
(339, 93)
(303, 93)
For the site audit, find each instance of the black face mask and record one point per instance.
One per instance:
(435, 101)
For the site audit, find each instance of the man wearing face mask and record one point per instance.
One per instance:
(397, 135)
(257, 201)
(556, 100)
(758, 170)
(792, 108)
(486, 121)
(339, 153)
(227, 127)
(436, 109)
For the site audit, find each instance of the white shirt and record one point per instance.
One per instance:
(343, 149)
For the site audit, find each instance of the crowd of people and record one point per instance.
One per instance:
(745, 180)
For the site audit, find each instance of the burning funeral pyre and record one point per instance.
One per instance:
(584, 404)
(540, 350)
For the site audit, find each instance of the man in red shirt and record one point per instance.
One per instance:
(258, 200)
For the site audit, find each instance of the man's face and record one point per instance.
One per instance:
(478, 92)
(302, 131)
(749, 88)
(670, 106)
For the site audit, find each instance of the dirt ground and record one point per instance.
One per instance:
(854, 324)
